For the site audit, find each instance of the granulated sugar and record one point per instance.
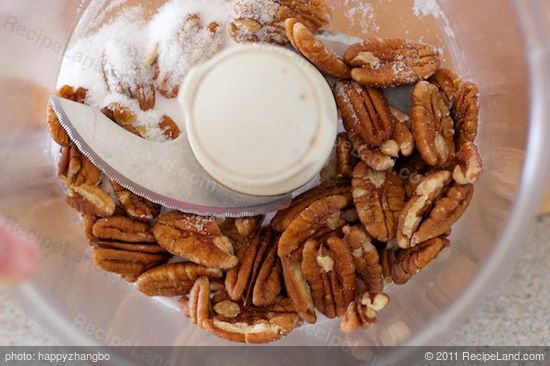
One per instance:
(183, 40)
(127, 42)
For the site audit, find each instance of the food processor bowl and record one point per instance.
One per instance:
(502, 45)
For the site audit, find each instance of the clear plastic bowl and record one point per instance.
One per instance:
(502, 45)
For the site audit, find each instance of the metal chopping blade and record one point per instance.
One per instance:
(164, 173)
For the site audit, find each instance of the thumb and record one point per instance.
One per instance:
(18, 257)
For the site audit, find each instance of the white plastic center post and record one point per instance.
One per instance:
(260, 119)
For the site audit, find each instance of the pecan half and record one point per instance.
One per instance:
(135, 206)
(445, 212)
(365, 112)
(129, 265)
(432, 126)
(463, 97)
(257, 325)
(124, 229)
(378, 198)
(391, 62)
(468, 164)
(366, 258)
(75, 169)
(410, 218)
(329, 269)
(197, 306)
(57, 132)
(404, 139)
(125, 72)
(174, 279)
(324, 213)
(195, 238)
(284, 218)
(314, 50)
(363, 312)
(91, 200)
(227, 309)
(124, 117)
(260, 328)
(410, 261)
(257, 278)
(169, 128)
(372, 156)
(345, 161)
(298, 289)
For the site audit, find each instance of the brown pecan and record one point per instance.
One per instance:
(135, 206)
(130, 265)
(372, 156)
(410, 218)
(56, 130)
(298, 289)
(365, 112)
(197, 306)
(445, 212)
(329, 269)
(174, 279)
(124, 117)
(391, 62)
(257, 278)
(260, 328)
(169, 128)
(324, 213)
(366, 258)
(75, 169)
(227, 309)
(125, 72)
(124, 229)
(195, 238)
(324, 59)
(345, 161)
(284, 218)
(363, 312)
(402, 133)
(468, 164)
(263, 21)
(410, 261)
(464, 101)
(432, 126)
(253, 324)
(91, 200)
(378, 197)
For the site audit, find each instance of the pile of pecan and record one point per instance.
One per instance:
(399, 184)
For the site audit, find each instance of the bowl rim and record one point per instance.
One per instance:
(533, 181)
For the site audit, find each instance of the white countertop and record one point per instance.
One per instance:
(516, 313)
